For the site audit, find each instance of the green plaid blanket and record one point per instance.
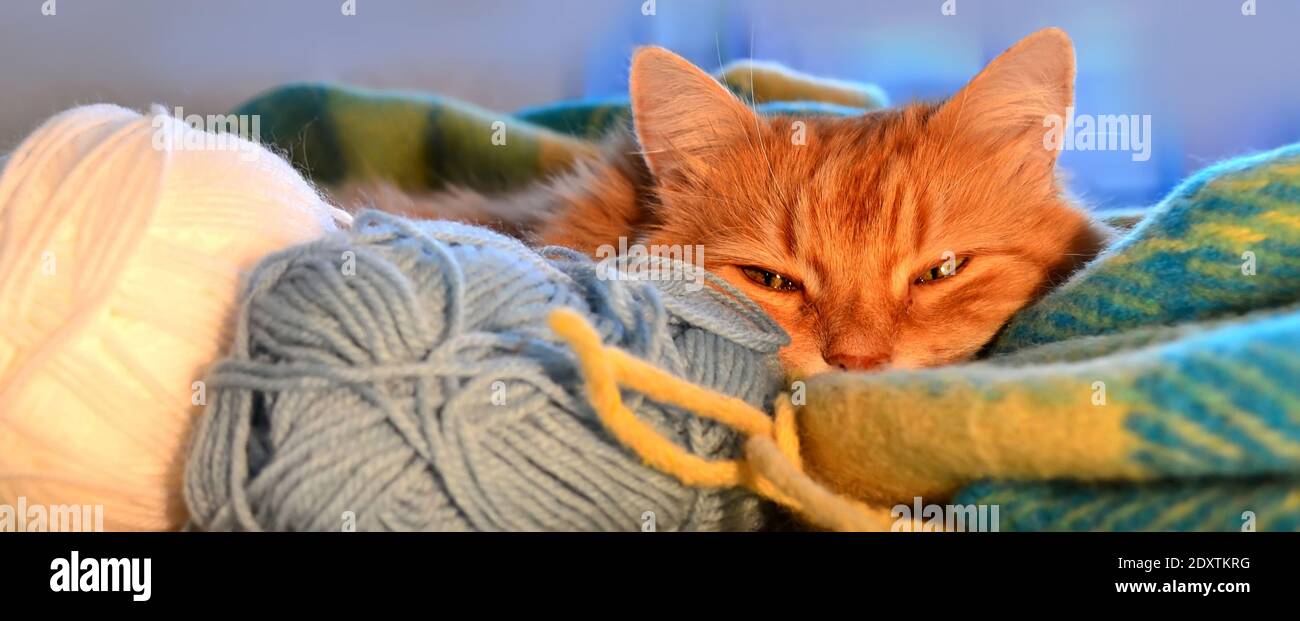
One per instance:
(1156, 390)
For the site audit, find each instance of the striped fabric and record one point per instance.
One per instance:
(337, 134)
(420, 142)
(1188, 263)
(1180, 505)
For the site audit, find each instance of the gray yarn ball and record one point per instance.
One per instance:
(401, 376)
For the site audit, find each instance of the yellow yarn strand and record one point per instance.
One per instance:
(601, 371)
(771, 467)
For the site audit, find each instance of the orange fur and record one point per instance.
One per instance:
(854, 215)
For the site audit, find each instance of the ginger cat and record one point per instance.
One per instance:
(901, 238)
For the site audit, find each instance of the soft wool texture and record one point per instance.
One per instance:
(1143, 370)
(121, 251)
(423, 390)
(372, 392)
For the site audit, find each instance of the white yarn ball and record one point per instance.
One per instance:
(123, 239)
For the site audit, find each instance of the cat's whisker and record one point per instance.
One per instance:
(758, 131)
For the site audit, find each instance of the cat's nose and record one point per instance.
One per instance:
(850, 362)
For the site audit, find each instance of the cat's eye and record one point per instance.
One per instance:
(770, 279)
(942, 270)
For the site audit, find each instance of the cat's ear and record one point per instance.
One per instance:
(1014, 101)
(680, 112)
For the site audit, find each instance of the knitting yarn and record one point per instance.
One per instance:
(402, 376)
(123, 238)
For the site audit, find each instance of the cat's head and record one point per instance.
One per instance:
(905, 237)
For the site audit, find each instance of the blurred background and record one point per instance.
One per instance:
(1215, 82)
